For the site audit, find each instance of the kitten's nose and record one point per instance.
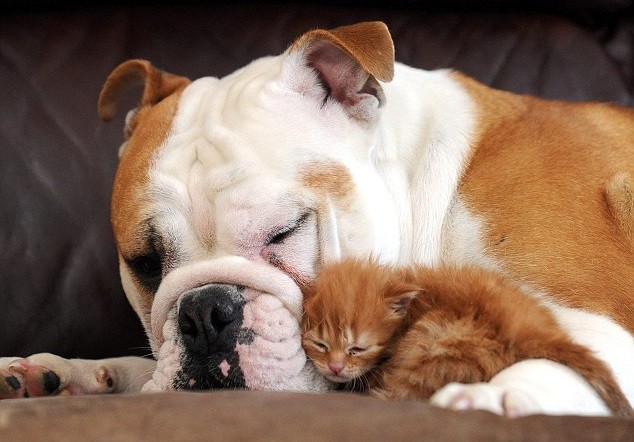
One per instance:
(336, 366)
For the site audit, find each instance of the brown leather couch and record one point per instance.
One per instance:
(59, 286)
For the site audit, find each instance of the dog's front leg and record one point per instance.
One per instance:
(46, 374)
(532, 386)
(542, 386)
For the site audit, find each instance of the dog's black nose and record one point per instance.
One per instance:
(209, 318)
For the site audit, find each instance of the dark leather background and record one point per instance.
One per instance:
(59, 286)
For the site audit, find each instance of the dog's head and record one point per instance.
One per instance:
(231, 192)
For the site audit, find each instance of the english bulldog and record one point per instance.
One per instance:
(232, 192)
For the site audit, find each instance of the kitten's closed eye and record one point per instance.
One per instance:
(352, 351)
(320, 346)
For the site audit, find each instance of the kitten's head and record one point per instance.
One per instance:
(352, 312)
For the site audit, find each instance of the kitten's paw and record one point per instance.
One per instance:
(484, 396)
(45, 374)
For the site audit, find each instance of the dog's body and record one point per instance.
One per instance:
(232, 191)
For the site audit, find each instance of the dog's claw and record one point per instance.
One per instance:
(11, 386)
(50, 381)
(13, 382)
(104, 379)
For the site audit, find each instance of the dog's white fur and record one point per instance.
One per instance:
(423, 182)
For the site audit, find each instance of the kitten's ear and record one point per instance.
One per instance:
(399, 305)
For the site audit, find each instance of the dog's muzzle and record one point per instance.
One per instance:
(229, 323)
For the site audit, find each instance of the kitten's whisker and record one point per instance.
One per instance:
(362, 383)
(375, 372)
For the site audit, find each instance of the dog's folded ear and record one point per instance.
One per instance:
(349, 60)
(157, 85)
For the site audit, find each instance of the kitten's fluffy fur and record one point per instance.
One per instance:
(406, 332)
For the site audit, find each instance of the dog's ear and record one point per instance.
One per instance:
(157, 85)
(349, 60)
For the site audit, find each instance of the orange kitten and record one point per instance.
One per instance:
(407, 332)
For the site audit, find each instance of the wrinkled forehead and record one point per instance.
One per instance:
(245, 142)
(254, 117)
(237, 140)
(210, 164)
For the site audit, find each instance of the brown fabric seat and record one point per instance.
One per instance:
(247, 416)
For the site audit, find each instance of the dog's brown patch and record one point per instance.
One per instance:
(147, 131)
(328, 178)
(130, 196)
(537, 178)
(130, 199)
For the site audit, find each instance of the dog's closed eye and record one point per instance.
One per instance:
(278, 236)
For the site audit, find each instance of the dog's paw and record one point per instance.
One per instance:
(45, 374)
(12, 384)
(484, 396)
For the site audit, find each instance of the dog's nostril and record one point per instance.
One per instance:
(187, 326)
(220, 318)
